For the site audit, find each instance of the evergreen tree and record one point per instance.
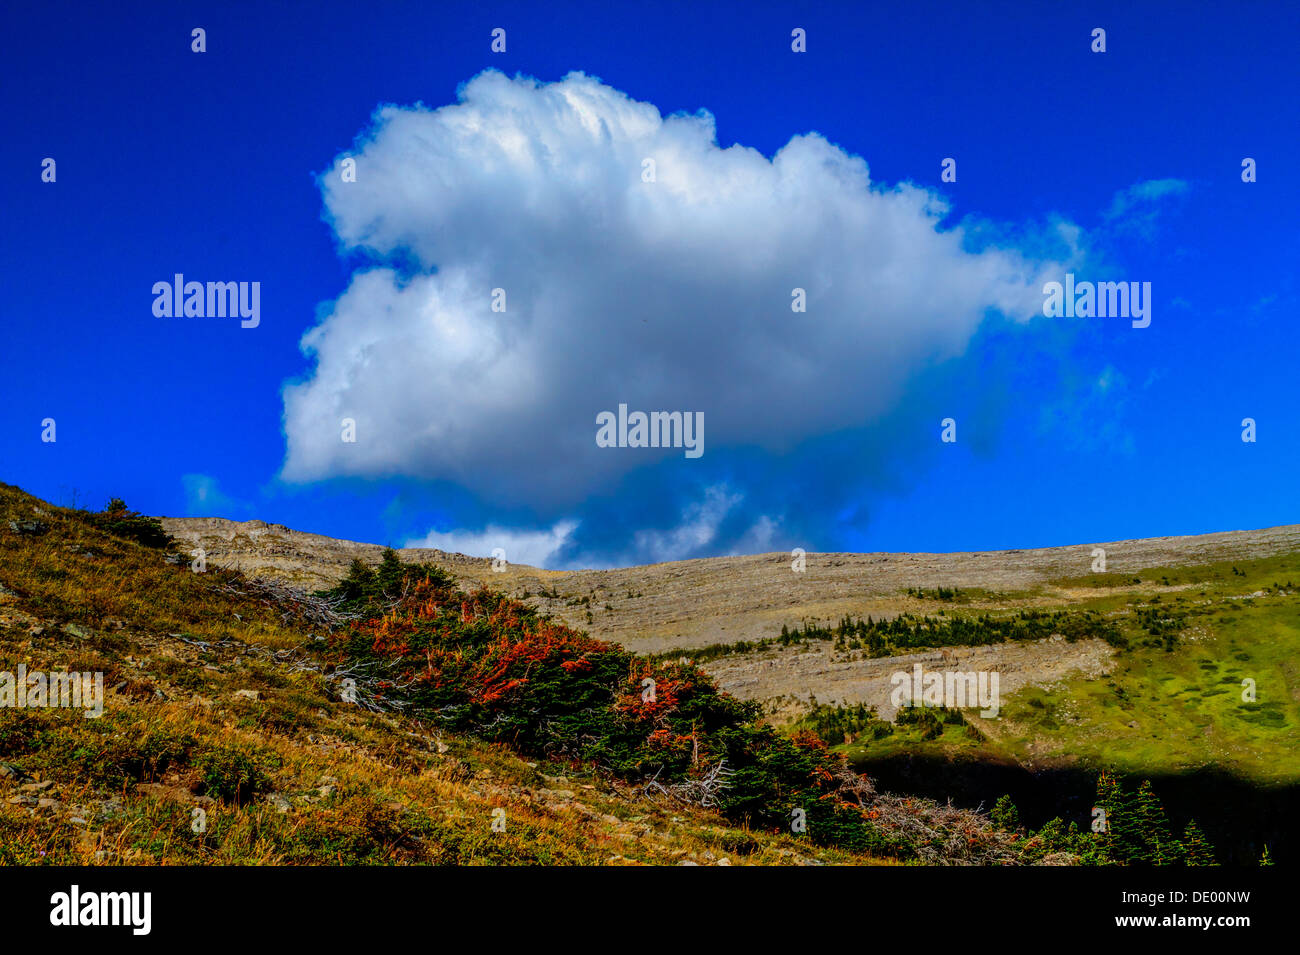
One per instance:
(360, 582)
(118, 519)
(1196, 848)
(1005, 815)
(1158, 846)
(1121, 836)
(390, 573)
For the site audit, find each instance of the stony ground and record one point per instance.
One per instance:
(788, 677)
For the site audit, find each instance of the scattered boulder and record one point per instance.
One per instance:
(13, 773)
(28, 528)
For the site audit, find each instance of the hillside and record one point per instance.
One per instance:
(227, 699)
(1198, 614)
(692, 603)
(227, 732)
(688, 605)
(216, 702)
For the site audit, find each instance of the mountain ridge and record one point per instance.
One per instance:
(702, 601)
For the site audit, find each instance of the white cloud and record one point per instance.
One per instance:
(535, 548)
(697, 530)
(1137, 209)
(671, 295)
(1147, 191)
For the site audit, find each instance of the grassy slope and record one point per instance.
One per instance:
(1163, 711)
(1172, 711)
(293, 776)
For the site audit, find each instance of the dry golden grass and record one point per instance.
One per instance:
(293, 776)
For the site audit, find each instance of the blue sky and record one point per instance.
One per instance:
(477, 430)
